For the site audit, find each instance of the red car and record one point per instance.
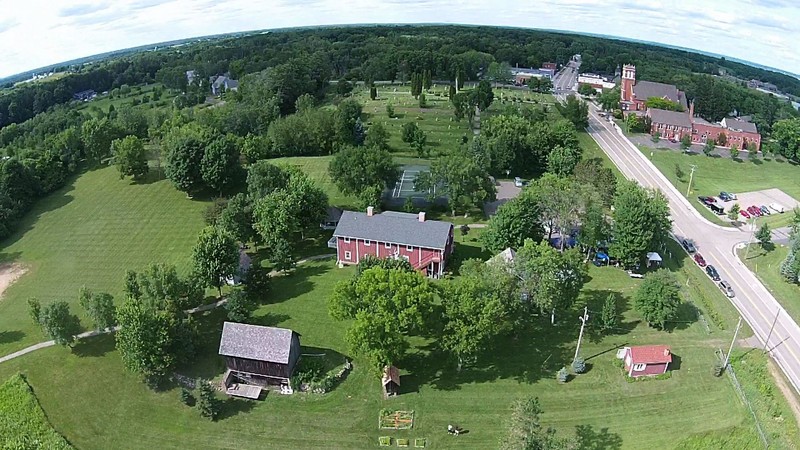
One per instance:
(744, 214)
(754, 211)
(698, 258)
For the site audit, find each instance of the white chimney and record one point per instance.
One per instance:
(370, 211)
(422, 216)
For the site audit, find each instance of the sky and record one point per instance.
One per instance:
(37, 33)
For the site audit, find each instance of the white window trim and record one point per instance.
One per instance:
(367, 242)
(639, 367)
(347, 240)
(409, 248)
(348, 256)
(405, 257)
(387, 245)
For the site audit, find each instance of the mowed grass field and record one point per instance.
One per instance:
(89, 233)
(91, 400)
(766, 265)
(714, 175)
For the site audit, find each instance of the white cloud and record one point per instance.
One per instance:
(33, 33)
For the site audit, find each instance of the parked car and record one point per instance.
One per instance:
(698, 258)
(726, 288)
(725, 197)
(518, 182)
(755, 212)
(777, 207)
(744, 214)
(764, 210)
(712, 272)
(705, 200)
(732, 195)
(688, 245)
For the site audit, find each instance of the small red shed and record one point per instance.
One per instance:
(647, 360)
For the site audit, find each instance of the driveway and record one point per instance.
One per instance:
(505, 192)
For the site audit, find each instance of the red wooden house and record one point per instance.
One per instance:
(647, 360)
(426, 244)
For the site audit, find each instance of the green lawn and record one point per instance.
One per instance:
(766, 266)
(714, 175)
(90, 232)
(103, 102)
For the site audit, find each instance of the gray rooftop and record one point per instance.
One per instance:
(740, 125)
(647, 89)
(394, 227)
(270, 344)
(680, 119)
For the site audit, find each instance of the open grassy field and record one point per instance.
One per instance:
(22, 422)
(714, 175)
(766, 265)
(90, 232)
(103, 102)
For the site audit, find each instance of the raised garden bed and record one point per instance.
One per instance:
(395, 420)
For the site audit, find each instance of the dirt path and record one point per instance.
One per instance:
(788, 392)
(9, 273)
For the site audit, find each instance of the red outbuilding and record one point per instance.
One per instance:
(647, 360)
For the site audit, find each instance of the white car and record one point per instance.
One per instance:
(518, 182)
(777, 207)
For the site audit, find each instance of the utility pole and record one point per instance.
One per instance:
(735, 333)
(583, 319)
(766, 342)
(691, 177)
(752, 232)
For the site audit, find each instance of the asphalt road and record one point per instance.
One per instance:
(717, 244)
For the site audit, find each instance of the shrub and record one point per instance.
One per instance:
(187, 398)
(717, 370)
(207, 402)
(562, 375)
(579, 366)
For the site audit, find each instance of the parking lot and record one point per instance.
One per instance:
(765, 197)
(505, 192)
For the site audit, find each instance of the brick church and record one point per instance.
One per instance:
(674, 125)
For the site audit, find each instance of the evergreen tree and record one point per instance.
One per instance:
(609, 315)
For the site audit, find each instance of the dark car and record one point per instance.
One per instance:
(726, 288)
(688, 245)
(698, 258)
(725, 197)
(764, 210)
(706, 200)
(712, 272)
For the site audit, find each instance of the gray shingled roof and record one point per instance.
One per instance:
(395, 228)
(680, 119)
(736, 124)
(646, 89)
(241, 340)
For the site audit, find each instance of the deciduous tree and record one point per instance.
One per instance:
(658, 298)
(99, 306)
(58, 323)
(609, 317)
(514, 222)
(129, 156)
(460, 178)
(263, 178)
(355, 169)
(215, 257)
(239, 306)
(220, 164)
(237, 219)
(641, 223)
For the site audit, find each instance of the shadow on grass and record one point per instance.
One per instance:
(296, 282)
(95, 346)
(595, 300)
(687, 315)
(234, 406)
(431, 366)
(7, 337)
(591, 439)
(269, 319)
(676, 363)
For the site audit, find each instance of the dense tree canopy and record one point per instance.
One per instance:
(658, 298)
(641, 223)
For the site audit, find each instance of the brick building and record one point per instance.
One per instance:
(426, 244)
(674, 125)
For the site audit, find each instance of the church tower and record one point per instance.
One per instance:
(628, 80)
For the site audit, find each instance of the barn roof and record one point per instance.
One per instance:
(270, 344)
(391, 373)
(651, 354)
(395, 228)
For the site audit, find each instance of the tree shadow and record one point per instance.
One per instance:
(234, 406)
(686, 316)
(269, 319)
(7, 337)
(431, 366)
(591, 439)
(595, 299)
(95, 346)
